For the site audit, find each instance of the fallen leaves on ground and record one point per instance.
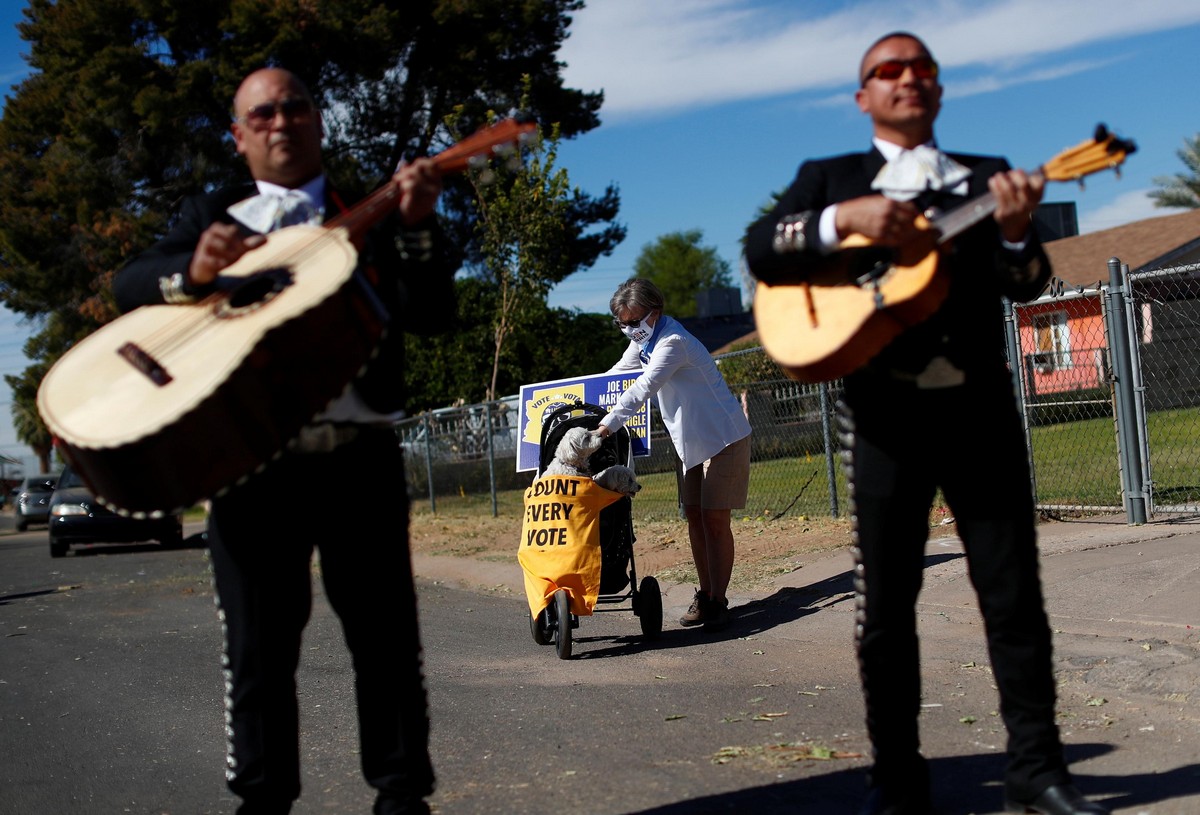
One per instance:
(779, 755)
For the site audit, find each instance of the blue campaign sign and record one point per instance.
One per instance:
(542, 398)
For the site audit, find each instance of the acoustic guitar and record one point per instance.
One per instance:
(171, 404)
(846, 311)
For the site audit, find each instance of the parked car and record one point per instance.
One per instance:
(33, 500)
(77, 517)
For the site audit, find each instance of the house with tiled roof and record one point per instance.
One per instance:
(1062, 334)
(1153, 243)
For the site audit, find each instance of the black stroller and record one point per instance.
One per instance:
(618, 575)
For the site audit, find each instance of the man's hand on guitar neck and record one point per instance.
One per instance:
(420, 184)
(220, 246)
(1017, 195)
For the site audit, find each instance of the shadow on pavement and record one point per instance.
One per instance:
(786, 605)
(196, 541)
(961, 785)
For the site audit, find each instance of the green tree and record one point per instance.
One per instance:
(680, 266)
(526, 237)
(1181, 190)
(126, 110)
(553, 344)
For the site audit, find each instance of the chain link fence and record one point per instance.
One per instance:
(1061, 347)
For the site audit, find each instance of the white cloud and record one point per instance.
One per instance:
(1135, 205)
(651, 58)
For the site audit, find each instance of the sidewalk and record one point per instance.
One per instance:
(1100, 576)
(1122, 602)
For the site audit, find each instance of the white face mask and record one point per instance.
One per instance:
(640, 334)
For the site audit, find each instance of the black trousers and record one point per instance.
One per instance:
(902, 444)
(351, 504)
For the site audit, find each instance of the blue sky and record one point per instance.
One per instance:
(711, 105)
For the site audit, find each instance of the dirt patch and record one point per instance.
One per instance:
(765, 547)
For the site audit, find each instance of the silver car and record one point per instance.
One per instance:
(33, 500)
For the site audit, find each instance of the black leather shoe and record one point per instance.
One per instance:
(1061, 799)
(885, 801)
(390, 805)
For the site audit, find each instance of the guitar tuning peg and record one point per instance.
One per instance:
(1117, 171)
(1082, 186)
(477, 162)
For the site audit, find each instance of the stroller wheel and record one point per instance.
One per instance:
(650, 609)
(562, 629)
(539, 626)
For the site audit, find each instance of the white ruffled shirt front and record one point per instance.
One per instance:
(908, 173)
(276, 207)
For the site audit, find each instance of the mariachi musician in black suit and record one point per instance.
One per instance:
(934, 409)
(261, 533)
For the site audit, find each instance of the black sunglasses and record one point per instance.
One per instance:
(260, 116)
(632, 323)
(889, 69)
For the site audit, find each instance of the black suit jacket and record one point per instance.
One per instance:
(418, 294)
(967, 328)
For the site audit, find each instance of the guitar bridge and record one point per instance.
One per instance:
(145, 363)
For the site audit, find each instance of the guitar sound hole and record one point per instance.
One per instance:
(253, 292)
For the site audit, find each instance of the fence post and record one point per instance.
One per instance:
(1016, 365)
(1127, 429)
(487, 412)
(429, 462)
(827, 434)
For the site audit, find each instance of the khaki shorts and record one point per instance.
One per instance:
(722, 482)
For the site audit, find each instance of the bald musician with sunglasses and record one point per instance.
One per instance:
(262, 533)
(933, 410)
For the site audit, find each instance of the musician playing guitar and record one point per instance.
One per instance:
(261, 532)
(933, 409)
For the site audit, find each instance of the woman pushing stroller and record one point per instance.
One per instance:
(707, 427)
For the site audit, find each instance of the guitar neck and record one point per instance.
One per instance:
(455, 159)
(957, 221)
(368, 212)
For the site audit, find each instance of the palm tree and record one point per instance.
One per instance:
(1181, 190)
(27, 422)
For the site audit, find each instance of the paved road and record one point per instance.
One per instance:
(110, 697)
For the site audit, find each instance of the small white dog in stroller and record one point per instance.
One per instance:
(571, 458)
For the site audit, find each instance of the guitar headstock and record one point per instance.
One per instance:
(1103, 152)
(486, 141)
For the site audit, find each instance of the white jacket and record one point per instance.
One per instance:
(701, 415)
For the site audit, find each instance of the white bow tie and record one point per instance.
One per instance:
(267, 212)
(914, 171)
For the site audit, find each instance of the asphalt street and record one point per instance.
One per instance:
(110, 689)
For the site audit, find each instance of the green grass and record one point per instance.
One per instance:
(1076, 465)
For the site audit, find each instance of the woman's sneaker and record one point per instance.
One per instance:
(697, 612)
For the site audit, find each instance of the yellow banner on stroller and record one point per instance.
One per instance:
(560, 540)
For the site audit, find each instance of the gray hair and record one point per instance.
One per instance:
(636, 294)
